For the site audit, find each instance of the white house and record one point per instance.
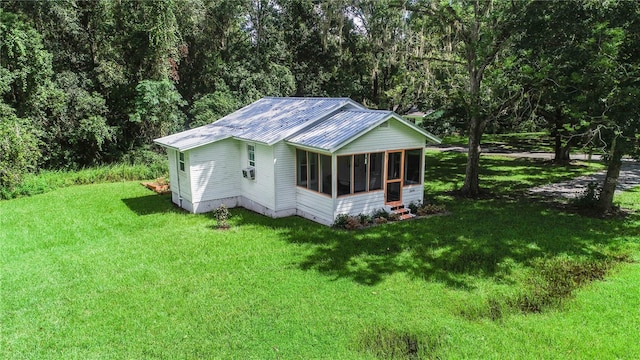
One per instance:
(312, 157)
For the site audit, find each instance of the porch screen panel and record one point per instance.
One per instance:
(412, 168)
(325, 173)
(393, 165)
(393, 192)
(313, 171)
(359, 173)
(301, 165)
(376, 163)
(344, 175)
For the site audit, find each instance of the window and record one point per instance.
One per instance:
(181, 161)
(376, 163)
(344, 175)
(412, 169)
(325, 174)
(313, 171)
(251, 151)
(301, 165)
(359, 173)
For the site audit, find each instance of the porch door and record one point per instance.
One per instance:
(393, 181)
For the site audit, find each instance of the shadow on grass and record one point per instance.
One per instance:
(446, 171)
(150, 204)
(481, 239)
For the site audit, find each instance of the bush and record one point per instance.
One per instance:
(380, 213)
(222, 215)
(589, 197)
(49, 180)
(341, 221)
(414, 206)
(19, 151)
(430, 209)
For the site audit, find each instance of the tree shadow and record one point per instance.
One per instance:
(480, 240)
(150, 204)
(497, 174)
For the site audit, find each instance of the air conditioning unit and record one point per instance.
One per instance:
(249, 173)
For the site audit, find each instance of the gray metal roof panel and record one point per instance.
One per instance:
(270, 120)
(195, 137)
(339, 128)
(323, 123)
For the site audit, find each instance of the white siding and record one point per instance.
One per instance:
(215, 171)
(285, 178)
(314, 206)
(412, 193)
(173, 169)
(261, 190)
(179, 180)
(392, 137)
(365, 203)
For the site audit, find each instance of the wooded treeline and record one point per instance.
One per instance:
(91, 82)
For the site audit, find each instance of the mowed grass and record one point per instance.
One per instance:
(114, 271)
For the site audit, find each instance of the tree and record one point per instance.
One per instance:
(157, 111)
(19, 152)
(619, 82)
(476, 34)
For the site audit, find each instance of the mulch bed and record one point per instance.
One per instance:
(157, 187)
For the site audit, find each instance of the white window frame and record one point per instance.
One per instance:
(181, 165)
(251, 154)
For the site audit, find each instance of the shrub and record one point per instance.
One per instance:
(589, 197)
(19, 151)
(365, 219)
(414, 206)
(380, 213)
(353, 223)
(341, 221)
(430, 209)
(221, 214)
(380, 220)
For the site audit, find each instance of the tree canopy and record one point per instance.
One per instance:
(90, 82)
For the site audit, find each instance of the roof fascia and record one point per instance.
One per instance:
(183, 149)
(309, 148)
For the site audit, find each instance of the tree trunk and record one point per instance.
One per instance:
(605, 201)
(561, 152)
(563, 155)
(471, 187)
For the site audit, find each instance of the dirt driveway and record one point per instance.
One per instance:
(629, 173)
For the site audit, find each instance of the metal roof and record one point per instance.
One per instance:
(193, 138)
(345, 126)
(268, 120)
(323, 123)
(339, 128)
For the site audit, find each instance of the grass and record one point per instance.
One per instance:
(514, 142)
(48, 180)
(499, 175)
(113, 271)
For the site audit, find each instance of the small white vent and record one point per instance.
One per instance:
(249, 173)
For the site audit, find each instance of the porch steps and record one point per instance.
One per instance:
(402, 211)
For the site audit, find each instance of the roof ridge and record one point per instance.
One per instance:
(368, 110)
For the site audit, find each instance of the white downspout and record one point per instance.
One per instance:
(178, 177)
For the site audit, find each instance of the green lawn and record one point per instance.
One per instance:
(533, 142)
(113, 271)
